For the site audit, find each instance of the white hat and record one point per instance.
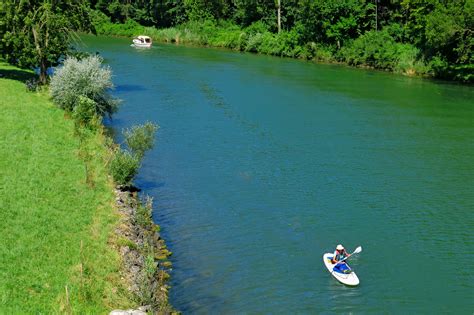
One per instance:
(339, 247)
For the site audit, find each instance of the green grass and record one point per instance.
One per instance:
(48, 209)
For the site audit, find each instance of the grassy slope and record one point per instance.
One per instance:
(47, 210)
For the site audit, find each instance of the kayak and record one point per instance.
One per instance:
(342, 272)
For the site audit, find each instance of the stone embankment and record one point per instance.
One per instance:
(144, 254)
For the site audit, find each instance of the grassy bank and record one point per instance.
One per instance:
(56, 252)
(377, 50)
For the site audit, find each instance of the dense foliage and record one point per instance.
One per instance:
(432, 37)
(38, 33)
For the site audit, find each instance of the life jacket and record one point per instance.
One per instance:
(339, 256)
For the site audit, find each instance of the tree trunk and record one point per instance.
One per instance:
(279, 15)
(376, 15)
(43, 75)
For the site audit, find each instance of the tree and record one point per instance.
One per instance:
(334, 22)
(38, 33)
(449, 29)
(279, 15)
(247, 12)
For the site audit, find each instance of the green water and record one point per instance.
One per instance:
(264, 164)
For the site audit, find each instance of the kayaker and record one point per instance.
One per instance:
(339, 254)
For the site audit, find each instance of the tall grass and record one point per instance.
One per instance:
(380, 50)
(55, 252)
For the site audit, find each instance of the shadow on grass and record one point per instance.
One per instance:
(16, 74)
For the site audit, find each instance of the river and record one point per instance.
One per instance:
(263, 164)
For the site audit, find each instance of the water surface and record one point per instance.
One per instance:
(264, 164)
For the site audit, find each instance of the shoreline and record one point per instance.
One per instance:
(144, 254)
(239, 40)
(411, 75)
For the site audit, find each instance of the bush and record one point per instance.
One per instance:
(254, 42)
(84, 113)
(125, 164)
(375, 49)
(256, 28)
(439, 67)
(321, 52)
(227, 37)
(86, 78)
(140, 138)
(380, 50)
(267, 44)
(288, 42)
(124, 167)
(409, 60)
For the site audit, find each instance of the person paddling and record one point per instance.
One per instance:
(339, 254)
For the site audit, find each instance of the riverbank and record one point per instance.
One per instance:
(375, 50)
(143, 252)
(63, 245)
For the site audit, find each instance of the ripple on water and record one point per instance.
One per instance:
(263, 164)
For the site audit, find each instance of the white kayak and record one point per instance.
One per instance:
(342, 274)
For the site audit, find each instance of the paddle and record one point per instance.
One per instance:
(356, 251)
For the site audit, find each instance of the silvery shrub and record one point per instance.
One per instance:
(83, 78)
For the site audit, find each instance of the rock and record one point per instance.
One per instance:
(134, 288)
(145, 308)
(134, 270)
(144, 237)
(124, 250)
(166, 264)
(127, 312)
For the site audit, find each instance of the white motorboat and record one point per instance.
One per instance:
(142, 41)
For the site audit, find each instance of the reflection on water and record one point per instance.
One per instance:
(127, 88)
